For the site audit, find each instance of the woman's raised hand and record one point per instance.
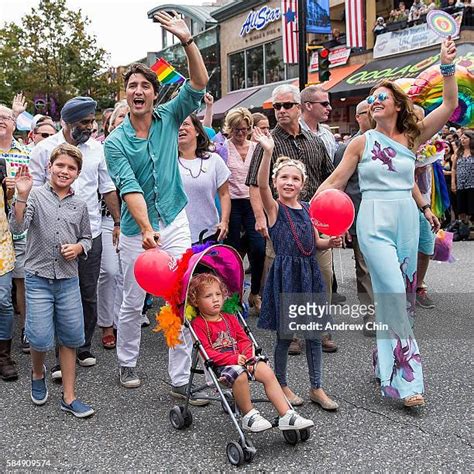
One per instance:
(448, 51)
(266, 141)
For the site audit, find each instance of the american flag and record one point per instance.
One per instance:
(289, 9)
(355, 31)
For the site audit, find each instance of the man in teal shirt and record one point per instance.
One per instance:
(142, 158)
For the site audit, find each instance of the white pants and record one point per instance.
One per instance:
(175, 239)
(110, 285)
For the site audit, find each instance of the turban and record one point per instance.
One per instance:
(77, 108)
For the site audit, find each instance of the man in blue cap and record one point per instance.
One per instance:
(77, 116)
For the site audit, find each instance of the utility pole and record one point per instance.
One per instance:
(302, 54)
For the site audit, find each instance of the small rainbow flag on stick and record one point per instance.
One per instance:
(166, 73)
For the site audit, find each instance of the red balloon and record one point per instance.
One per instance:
(155, 271)
(332, 212)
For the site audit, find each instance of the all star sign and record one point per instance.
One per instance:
(257, 20)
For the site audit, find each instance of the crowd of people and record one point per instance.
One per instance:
(402, 16)
(77, 209)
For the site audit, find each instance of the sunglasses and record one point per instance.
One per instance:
(380, 97)
(45, 135)
(285, 105)
(324, 103)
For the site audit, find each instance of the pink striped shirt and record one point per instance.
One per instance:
(239, 169)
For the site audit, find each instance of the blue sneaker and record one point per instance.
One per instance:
(39, 390)
(77, 408)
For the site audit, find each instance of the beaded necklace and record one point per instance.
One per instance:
(189, 170)
(208, 331)
(305, 252)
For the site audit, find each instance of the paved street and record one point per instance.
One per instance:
(131, 431)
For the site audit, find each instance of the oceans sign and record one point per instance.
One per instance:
(257, 20)
(406, 66)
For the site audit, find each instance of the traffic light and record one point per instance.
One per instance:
(323, 65)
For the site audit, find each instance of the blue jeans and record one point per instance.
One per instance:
(6, 307)
(313, 356)
(241, 215)
(53, 311)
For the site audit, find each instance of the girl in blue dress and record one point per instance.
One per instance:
(294, 270)
(388, 224)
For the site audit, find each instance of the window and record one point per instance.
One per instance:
(237, 71)
(274, 67)
(254, 58)
(260, 65)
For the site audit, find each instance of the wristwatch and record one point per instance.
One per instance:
(187, 43)
(426, 206)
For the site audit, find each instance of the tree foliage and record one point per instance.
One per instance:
(51, 54)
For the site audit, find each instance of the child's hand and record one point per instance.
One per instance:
(335, 242)
(266, 141)
(241, 359)
(71, 251)
(23, 182)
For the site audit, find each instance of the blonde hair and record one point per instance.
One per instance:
(283, 161)
(118, 107)
(197, 284)
(234, 117)
(68, 150)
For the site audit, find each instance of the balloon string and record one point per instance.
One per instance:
(340, 266)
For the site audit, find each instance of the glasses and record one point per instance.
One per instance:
(324, 103)
(241, 130)
(380, 97)
(6, 118)
(285, 105)
(45, 134)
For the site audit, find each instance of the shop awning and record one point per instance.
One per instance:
(411, 65)
(337, 75)
(229, 101)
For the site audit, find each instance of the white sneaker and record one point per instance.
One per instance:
(292, 421)
(255, 422)
(145, 322)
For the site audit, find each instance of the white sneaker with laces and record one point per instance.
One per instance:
(255, 422)
(292, 421)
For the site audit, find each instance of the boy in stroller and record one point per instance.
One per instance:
(231, 350)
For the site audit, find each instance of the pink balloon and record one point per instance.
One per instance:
(332, 212)
(155, 271)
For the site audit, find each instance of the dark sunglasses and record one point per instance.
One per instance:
(45, 135)
(285, 105)
(324, 103)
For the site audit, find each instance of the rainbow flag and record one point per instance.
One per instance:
(166, 73)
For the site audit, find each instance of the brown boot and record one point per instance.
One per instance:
(7, 366)
(328, 344)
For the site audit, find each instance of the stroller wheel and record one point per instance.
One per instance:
(188, 418)
(305, 434)
(235, 453)
(291, 436)
(230, 400)
(249, 450)
(176, 418)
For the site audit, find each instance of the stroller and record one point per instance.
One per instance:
(226, 263)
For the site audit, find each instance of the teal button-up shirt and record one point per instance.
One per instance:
(150, 166)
